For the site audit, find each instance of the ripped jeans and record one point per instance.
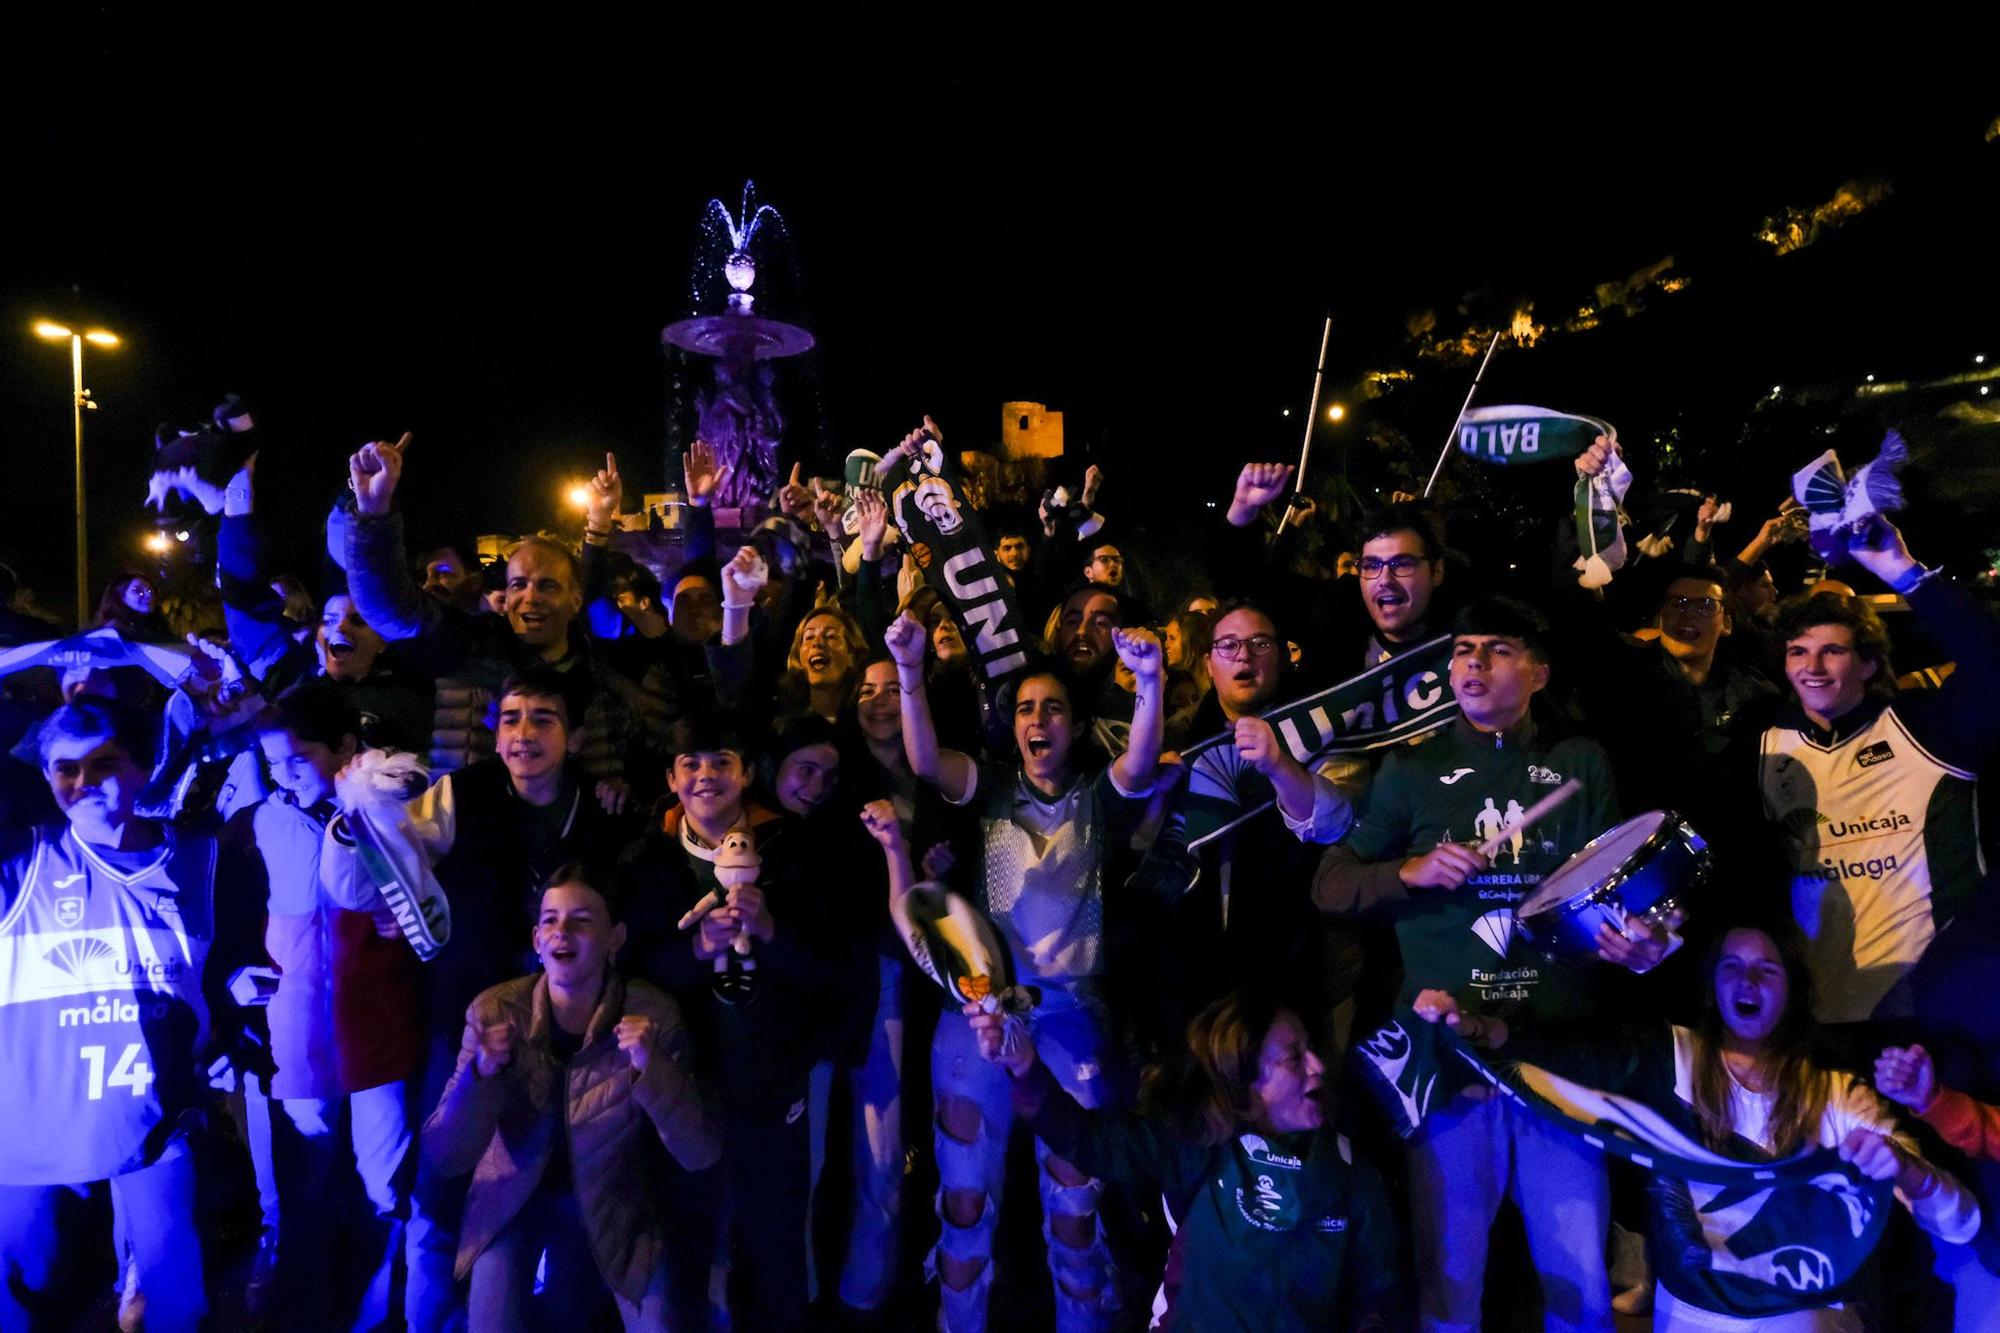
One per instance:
(1073, 1042)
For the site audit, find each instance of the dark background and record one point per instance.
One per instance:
(477, 233)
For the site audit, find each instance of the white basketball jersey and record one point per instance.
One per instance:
(101, 1007)
(1854, 815)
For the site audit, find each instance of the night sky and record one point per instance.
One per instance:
(482, 249)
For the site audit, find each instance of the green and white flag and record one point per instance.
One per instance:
(1748, 1238)
(1519, 434)
(1403, 697)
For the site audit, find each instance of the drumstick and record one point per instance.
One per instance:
(1533, 813)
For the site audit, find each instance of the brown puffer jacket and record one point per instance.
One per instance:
(502, 1128)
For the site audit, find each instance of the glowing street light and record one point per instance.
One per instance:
(1335, 412)
(578, 496)
(80, 401)
(157, 543)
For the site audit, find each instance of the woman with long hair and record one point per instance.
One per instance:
(1745, 1083)
(820, 667)
(1283, 1226)
(1047, 826)
(129, 605)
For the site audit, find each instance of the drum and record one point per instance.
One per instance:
(1642, 869)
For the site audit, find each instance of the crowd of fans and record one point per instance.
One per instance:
(621, 1028)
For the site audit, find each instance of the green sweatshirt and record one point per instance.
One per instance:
(1282, 1231)
(1463, 786)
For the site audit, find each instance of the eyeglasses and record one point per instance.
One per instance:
(1233, 647)
(1402, 566)
(1701, 606)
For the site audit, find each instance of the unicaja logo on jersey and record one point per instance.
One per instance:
(82, 958)
(1880, 824)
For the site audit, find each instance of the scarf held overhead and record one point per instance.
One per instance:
(1520, 434)
(1406, 696)
(1748, 1238)
(950, 545)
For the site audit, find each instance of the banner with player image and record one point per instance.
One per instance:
(949, 543)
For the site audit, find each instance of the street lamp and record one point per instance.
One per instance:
(80, 400)
(1335, 412)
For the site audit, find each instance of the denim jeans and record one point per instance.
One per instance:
(502, 1297)
(1073, 1042)
(1470, 1154)
(875, 1148)
(155, 1209)
(379, 1128)
(432, 1303)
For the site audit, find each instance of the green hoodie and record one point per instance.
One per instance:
(1463, 786)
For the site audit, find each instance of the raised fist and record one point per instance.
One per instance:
(496, 1048)
(1140, 652)
(636, 1037)
(905, 640)
(1258, 484)
(373, 472)
(742, 577)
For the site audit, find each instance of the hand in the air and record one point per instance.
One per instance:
(1907, 1075)
(700, 474)
(1258, 484)
(605, 496)
(794, 498)
(905, 639)
(872, 511)
(742, 577)
(373, 472)
(1594, 459)
(1140, 652)
(879, 818)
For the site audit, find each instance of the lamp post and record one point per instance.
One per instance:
(80, 401)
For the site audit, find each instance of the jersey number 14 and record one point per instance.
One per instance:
(129, 1072)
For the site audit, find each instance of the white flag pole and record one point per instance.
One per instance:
(1449, 439)
(1312, 419)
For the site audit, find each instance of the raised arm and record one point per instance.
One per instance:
(879, 818)
(1140, 652)
(954, 774)
(378, 573)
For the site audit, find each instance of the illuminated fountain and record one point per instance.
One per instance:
(738, 415)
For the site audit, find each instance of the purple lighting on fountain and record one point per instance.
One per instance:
(739, 414)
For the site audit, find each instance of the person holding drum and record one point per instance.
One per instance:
(1743, 1083)
(1409, 860)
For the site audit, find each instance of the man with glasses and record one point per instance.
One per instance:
(1402, 565)
(1698, 698)
(1246, 917)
